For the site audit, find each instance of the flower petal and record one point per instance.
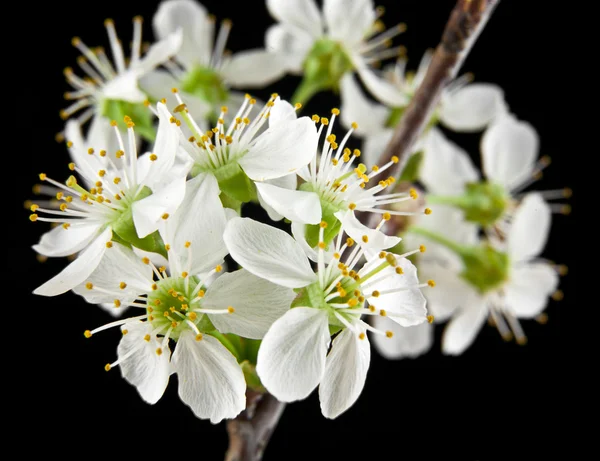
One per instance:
(472, 107)
(211, 382)
(124, 87)
(303, 14)
(281, 149)
(290, 43)
(257, 303)
(356, 107)
(289, 182)
(345, 373)
(446, 167)
(64, 242)
(191, 17)
(200, 220)
(529, 288)
(407, 342)
(374, 146)
(509, 148)
(159, 53)
(140, 364)
(268, 252)
(253, 69)
(349, 20)
(88, 164)
(299, 233)
(407, 306)
(380, 88)
(291, 358)
(295, 205)
(148, 212)
(462, 330)
(530, 228)
(375, 240)
(79, 270)
(281, 111)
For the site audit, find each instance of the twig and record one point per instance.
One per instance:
(466, 22)
(250, 432)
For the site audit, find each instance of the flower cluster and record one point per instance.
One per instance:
(150, 212)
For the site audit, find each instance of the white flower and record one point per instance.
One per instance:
(293, 358)
(343, 32)
(105, 81)
(126, 188)
(201, 69)
(463, 106)
(509, 151)
(334, 185)
(506, 282)
(241, 155)
(178, 305)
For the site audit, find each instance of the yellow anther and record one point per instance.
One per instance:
(542, 318)
(107, 367)
(372, 308)
(181, 298)
(362, 336)
(391, 259)
(246, 120)
(361, 299)
(375, 294)
(146, 260)
(102, 153)
(42, 176)
(354, 125)
(167, 247)
(66, 225)
(335, 162)
(117, 303)
(174, 324)
(558, 295)
(336, 256)
(34, 207)
(324, 120)
(199, 337)
(193, 316)
(567, 192)
(230, 310)
(155, 287)
(422, 248)
(157, 302)
(165, 216)
(89, 285)
(147, 338)
(180, 108)
(146, 103)
(349, 241)
(174, 90)
(323, 224)
(413, 194)
(399, 270)
(427, 211)
(252, 101)
(188, 244)
(163, 100)
(387, 216)
(159, 351)
(184, 274)
(395, 159)
(201, 294)
(335, 111)
(153, 157)
(124, 332)
(375, 168)
(352, 302)
(365, 238)
(382, 312)
(321, 245)
(69, 199)
(120, 153)
(162, 269)
(87, 334)
(117, 180)
(219, 268)
(430, 318)
(431, 283)
(565, 209)
(389, 333)
(122, 285)
(297, 106)
(352, 206)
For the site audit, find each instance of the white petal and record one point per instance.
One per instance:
(374, 146)
(299, 233)
(291, 358)
(303, 14)
(356, 107)
(159, 53)
(406, 307)
(376, 240)
(268, 252)
(191, 17)
(79, 270)
(529, 288)
(345, 373)
(88, 164)
(253, 69)
(295, 205)
(145, 369)
(119, 264)
(472, 107)
(211, 382)
(464, 326)
(165, 148)
(148, 212)
(64, 242)
(200, 219)
(450, 291)
(281, 150)
(349, 20)
(446, 168)
(281, 111)
(509, 148)
(530, 228)
(380, 88)
(290, 43)
(257, 303)
(289, 182)
(124, 87)
(407, 342)
(101, 136)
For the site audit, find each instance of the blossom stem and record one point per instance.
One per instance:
(451, 245)
(305, 91)
(251, 430)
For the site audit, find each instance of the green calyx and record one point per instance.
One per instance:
(483, 202)
(117, 110)
(171, 304)
(236, 187)
(323, 67)
(206, 84)
(124, 229)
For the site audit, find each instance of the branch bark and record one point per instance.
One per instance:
(251, 430)
(466, 22)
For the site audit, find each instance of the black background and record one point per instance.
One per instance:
(495, 398)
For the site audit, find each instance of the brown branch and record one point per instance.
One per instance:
(250, 432)
(466, 22)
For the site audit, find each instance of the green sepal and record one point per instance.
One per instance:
(485, 268)
(412, 168)
(229, 202)
(233, 182)
(206, 84)
(252, 380)
(328, 215)
(116, 109)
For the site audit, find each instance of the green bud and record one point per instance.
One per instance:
(114, 109)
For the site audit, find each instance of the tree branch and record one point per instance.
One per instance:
(250, 432)
(466, 22)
